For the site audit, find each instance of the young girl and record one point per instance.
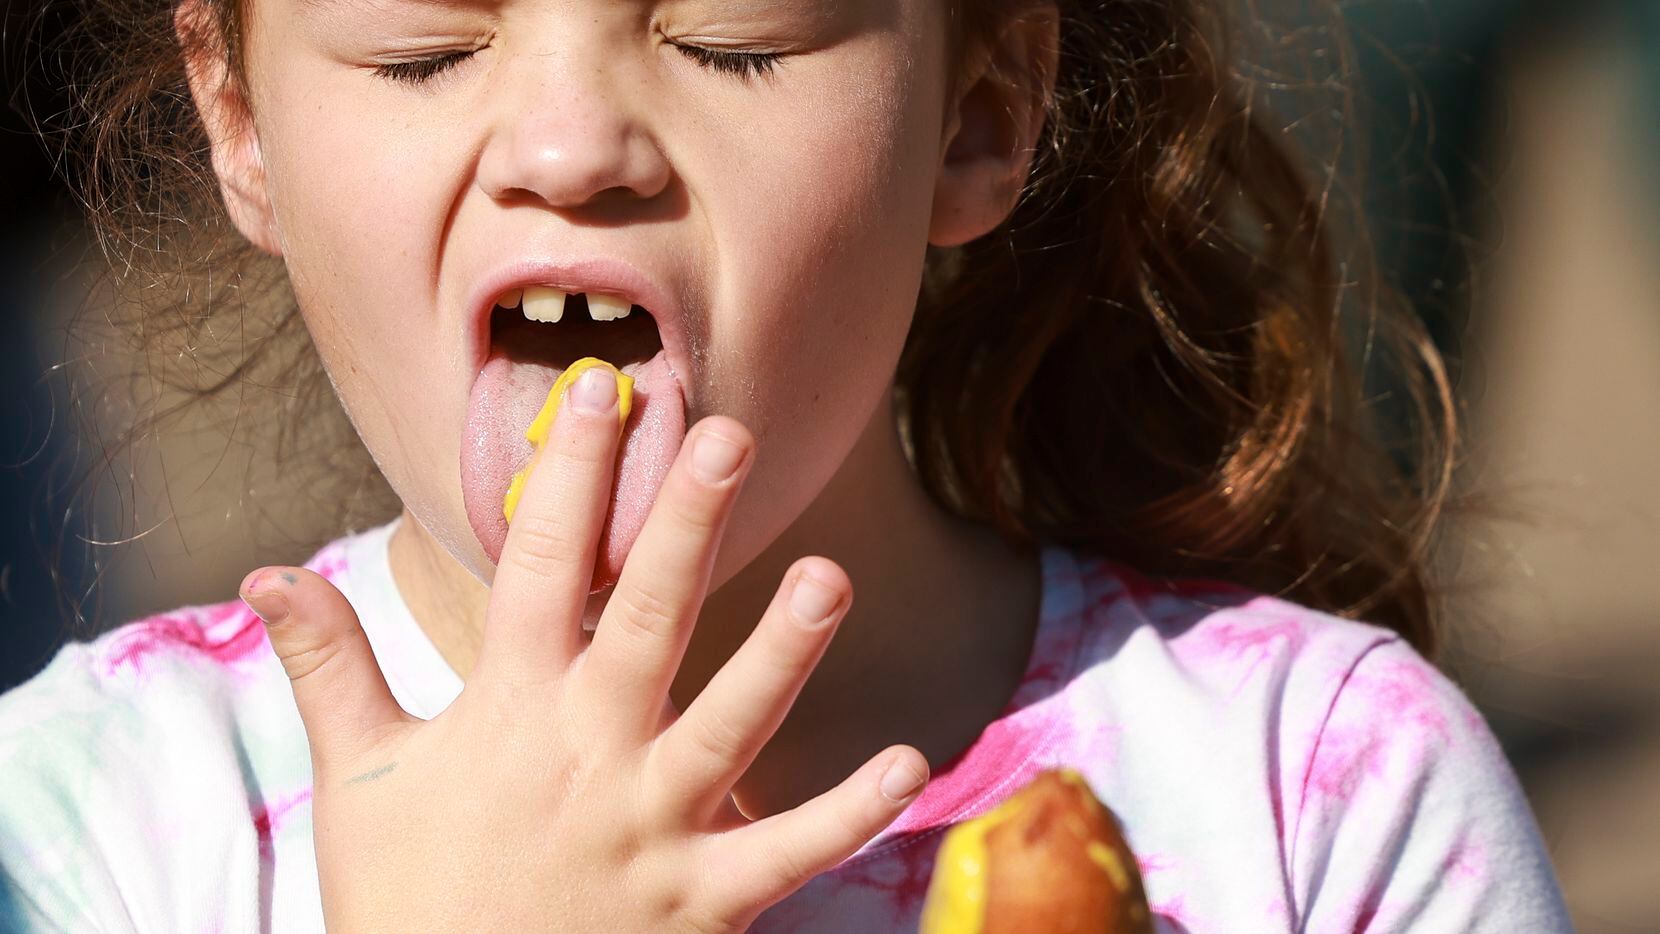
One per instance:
(964, 307)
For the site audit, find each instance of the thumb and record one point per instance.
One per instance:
(338, 686)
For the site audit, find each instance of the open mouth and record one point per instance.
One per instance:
(551, 328)
(536, 333)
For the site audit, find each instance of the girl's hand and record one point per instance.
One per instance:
(561, 789)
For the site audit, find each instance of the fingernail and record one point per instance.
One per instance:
(714, 458)
(901, 781)
(269, 605)
(595, 391)
(811, 601)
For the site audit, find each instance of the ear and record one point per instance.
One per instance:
(230, 125)
(992, 125)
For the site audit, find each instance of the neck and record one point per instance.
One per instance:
(939, 634)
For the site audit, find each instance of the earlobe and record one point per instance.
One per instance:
(993, 127)
(228, 120)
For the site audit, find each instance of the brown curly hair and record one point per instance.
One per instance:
(1159, 357)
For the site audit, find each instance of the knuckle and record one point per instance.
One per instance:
(730, 900)
(789, 863)
(583, 447)
(703, 911)
(696, 510)
(669, 803)
(648, 612)
(308, 657)
(787, 657)
(716, 735)
(852, 825)
(539, 542)
(707, 919)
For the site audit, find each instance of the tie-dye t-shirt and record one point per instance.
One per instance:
(1274, 769)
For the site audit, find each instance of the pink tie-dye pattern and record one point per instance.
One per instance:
(891, 878)
(1243, 642)
(329, 563)
(1160, 653)
(1170, 914)
(1397, 721)
(227, 634)
(1006, 754)
(269, 816)
(1372, 745)
(900, 875)
(1467, 861)
(1004, 757)
(1036, 729)
(1125, 583)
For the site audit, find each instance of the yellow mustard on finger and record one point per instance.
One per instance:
(537, 433)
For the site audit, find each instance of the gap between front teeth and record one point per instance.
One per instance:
(548, 305)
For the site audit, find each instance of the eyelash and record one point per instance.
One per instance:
(421, 70)
(743, 65)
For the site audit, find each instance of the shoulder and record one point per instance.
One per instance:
(1182, 681)
(1351, 761)
(151, 676)
(196, 666)
(1409, 814)
(131, 757)
(166, 745)
(1210, 642)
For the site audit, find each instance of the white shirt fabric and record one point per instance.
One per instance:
(1274, 769)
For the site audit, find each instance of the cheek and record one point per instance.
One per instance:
(361, 220)
(824, 229)
(351, 194)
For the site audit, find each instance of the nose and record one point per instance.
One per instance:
(567, 132)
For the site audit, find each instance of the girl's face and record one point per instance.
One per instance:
(419, 159)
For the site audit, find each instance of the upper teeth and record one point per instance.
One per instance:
(545, 304)
(607, 307)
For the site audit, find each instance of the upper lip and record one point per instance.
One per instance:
(602, 275)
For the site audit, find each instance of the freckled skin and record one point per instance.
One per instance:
(791, 210)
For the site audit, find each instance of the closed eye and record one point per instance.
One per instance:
(421, 70)
(744, 65)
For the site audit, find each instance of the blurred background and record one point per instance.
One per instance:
(1513, 187)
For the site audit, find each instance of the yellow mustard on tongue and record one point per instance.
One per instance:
(537, 433)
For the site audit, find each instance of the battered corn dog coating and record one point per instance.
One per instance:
(1051, 858)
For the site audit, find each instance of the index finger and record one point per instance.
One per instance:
(533, 623)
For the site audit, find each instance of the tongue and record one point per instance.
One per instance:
(507, 395)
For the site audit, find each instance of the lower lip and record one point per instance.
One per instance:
(505, 398)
